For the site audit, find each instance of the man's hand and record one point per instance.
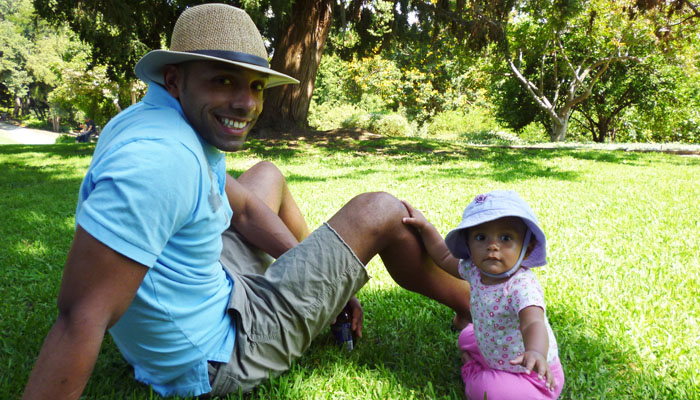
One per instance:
(356, 316)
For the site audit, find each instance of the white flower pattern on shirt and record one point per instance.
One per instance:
(495, 311)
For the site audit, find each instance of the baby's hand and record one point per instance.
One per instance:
(535, 361)
(416, 218)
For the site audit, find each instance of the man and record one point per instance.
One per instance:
(172, 255)
(88, 129)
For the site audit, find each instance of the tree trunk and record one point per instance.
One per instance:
(55, 123)
(560, 124)
(297, 54)
(18, 107)
(603, 127)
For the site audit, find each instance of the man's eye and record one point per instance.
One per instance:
(258, 86)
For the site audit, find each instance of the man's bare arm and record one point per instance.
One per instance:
(253, 219)
(98, 286)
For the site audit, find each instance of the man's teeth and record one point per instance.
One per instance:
(233, 124)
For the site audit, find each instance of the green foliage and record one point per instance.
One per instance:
(54, 77)
(332, 75)
(533, 132)
(447, 123)
(566, 51)
(118, 35)
(384, 124)
(418, 87)
(329, 116)
(15, 46)
(392, 124)
(65, 139)
(454, 124)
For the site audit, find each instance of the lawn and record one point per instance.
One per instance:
(622, 283)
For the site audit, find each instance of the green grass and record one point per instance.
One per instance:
(622, 283)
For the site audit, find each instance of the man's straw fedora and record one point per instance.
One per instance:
(216, 32)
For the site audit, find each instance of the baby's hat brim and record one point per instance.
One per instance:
(492, 206)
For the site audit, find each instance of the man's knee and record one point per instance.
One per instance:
(382, 201)
(267, 171)
(379, 209)
(263, 173)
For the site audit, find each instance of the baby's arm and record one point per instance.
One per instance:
(536, 340)
(433, 241)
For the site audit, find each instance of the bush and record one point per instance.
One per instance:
(534, 132)
(329, 116)
(453, 124)
(65, 139)
(384, 124)
(447, 124)
(361, 120)
(393, 125)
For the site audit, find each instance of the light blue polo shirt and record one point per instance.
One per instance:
(154, 192)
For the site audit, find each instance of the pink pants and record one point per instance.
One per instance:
(480, 379)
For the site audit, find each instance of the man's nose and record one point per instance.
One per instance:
(243, 99)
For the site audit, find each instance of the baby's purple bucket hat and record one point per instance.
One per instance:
(492, 206)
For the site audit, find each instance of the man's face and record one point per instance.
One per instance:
(222, 102)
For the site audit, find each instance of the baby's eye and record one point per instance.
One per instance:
(479, 237)
(506, 238)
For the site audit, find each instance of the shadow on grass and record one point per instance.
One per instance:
(62, 150)
(412, 349)
(503, 164)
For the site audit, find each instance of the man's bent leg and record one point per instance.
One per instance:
(371, 224)
(267, 182)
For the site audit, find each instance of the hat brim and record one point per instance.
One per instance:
(150, 67)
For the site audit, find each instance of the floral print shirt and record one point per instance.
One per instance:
(495, 311)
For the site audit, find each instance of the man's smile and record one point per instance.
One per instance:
(232, 123)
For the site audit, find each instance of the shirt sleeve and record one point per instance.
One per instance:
(467, 271)
(527, 291)
(135, 198)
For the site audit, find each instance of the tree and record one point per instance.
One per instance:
(558, 50)
(14, 75)
(34, 56)
(622, 87)
(296, 31)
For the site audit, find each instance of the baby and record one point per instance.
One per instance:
(509, 351)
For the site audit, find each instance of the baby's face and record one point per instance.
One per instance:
(495, 245)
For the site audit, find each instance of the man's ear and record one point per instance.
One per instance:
(171, 80)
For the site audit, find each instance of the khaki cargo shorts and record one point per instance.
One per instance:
(280, 307)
